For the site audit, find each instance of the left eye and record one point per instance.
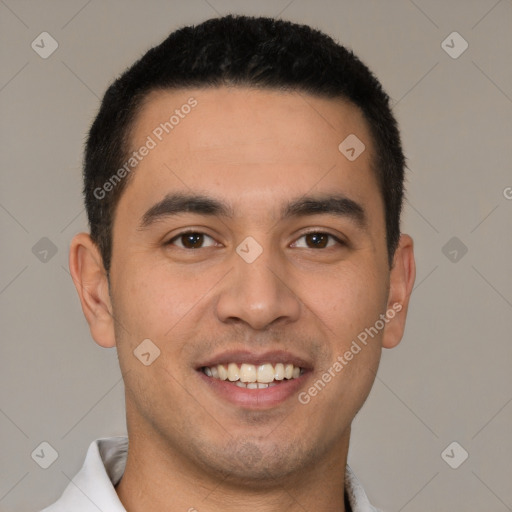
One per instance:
(318, 240)
(191, 240)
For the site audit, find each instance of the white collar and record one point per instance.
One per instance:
(92, 488)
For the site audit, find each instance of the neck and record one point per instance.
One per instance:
(156, 478)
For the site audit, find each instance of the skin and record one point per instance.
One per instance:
(256, 150)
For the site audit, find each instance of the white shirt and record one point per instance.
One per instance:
(92, 488)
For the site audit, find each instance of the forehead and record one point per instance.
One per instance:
(249, 146)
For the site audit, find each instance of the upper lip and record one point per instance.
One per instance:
(245, 356)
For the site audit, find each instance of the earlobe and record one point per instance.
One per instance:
(90, 279)
(403, 275)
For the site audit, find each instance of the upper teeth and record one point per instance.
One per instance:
(264, 373)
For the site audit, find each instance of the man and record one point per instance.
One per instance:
(244, 183)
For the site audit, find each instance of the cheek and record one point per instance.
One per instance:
(349, 305)
(154, 298)
(142, 301)
(347, 300)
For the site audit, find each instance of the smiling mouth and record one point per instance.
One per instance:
(252, 376)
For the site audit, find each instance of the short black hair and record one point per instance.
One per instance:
(243, 51)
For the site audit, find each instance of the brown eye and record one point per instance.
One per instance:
(317, 240)
(190, 240)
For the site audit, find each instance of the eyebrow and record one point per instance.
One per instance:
(179, 203)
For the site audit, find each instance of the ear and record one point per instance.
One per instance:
(403, 274)
(90, 279)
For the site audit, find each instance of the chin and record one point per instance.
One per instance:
(256, 462)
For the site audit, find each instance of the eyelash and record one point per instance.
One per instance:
(313, 232)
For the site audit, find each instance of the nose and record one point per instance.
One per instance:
(258, 294)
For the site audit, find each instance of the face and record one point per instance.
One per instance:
(283, 262)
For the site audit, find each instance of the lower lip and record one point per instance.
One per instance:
(264, 398)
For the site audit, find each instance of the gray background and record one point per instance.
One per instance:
(449, 380)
